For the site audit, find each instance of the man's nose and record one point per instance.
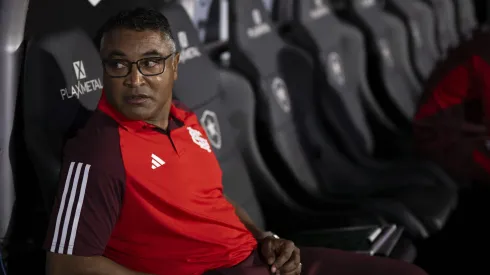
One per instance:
(135, 78)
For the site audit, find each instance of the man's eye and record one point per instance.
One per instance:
(117, 64)
(150, 63)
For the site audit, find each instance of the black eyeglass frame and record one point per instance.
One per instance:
(131, 63)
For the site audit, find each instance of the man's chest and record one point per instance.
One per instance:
(180, 165)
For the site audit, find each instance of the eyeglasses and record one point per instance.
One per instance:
(149, 66)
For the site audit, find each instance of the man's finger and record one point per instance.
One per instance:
(267, 251)
(291, 266)
(283, 252)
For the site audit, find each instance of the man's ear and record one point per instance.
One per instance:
(175, 65)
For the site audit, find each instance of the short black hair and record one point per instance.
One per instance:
(138, 19)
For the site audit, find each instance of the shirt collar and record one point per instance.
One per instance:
(176, 117)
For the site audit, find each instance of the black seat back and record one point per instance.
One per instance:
(420, 23)
(200, 88)
(397, 88)
(446, 29)
(62, 84)
(341, 59)
(251, 31)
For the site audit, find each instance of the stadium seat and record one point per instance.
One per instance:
(293, 140)
(226, 110)
(465, 18)
(347, 103)
(420, 24)
(62, 85)
(396, 86)
(446, 29)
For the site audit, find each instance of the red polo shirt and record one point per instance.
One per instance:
(148, 199)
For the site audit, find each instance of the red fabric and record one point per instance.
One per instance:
(174, 218)
(443, 126)
(453, 89)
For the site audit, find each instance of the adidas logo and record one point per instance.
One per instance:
(156, 162)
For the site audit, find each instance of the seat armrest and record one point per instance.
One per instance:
(377, 240)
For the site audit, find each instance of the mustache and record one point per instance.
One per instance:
(136, 93)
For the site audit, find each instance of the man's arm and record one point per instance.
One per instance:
(247, 221)
(83, 217)
(59, 264)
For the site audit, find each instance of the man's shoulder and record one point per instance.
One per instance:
(181, 106)
(185, 114)
(460, 57)
(96, 144)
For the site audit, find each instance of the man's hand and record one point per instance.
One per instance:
(282, 255)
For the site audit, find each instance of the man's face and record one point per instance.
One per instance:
(139, 96)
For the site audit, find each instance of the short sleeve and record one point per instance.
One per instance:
(85, 212)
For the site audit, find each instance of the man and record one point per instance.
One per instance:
(118, 214)
(451, 123)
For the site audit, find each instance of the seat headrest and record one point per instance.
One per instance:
(313, 11)
(252, 23)
(74, 60)
(197, 81)
(63, 72)
(63, 15)
(318, 17)
(364, 6)
(368, 13)
(252, 31)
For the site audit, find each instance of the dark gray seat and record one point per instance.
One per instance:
(390, 72)
(420, 25)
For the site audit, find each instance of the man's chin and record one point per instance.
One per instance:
(137, 114)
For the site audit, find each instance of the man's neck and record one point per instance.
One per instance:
(162, 120)
(160, 123)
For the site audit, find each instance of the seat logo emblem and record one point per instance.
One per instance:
(336, 68)
(384, 47)
(260, 27)
(417, 37)
(319, 10)
(198, 139)
(367, 3)
(94, 2)
(81, 86)
(256, 17)
(280, 91)
(156, 162)
(209, 121)
(184, 43)
(79, 70)
(187, 53)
